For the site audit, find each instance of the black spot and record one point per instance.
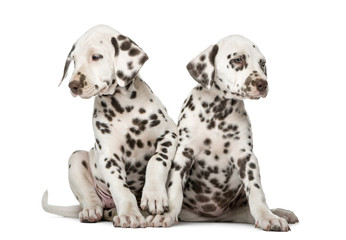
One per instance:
(153, 117)
(133, 94)
(98, 144)
(143, 59)
(209, 207)
(154, 120)
(175, 167)
(126, 45)
(129, 108)
(155, 123)
(204, 104)
(128, 153)
(130, 65)
(111, 112)
(120, 74)
(116, 46)
(85, 164)
(140, 143)
(116, 105)
(111, 162)
(207, 141)
(130, 141)
(103, 104)
(134, 52)
(102, 127)
(252, 165)
(121, 37)
(202, 198)
(141, 110)
(164, 156)
(200, 67)
(147, 157)
(167, 144)
(213, 53)
(242, 165)
(211, 124)
(250, 175)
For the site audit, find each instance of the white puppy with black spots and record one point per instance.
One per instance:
(215, 174)
(135, 139)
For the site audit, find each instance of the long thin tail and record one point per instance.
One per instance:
(65, 211)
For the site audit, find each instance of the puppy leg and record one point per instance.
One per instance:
(247, 165)
(114, 172)
(82, 187)
(178, 175)
(238, 215)
(154, 197)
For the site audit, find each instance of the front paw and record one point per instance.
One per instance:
(165, 220)
(154, 200)
(272, 223)
(129, 220)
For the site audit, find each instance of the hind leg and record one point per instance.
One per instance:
(286, 214)
(82, 186)
(238, 215)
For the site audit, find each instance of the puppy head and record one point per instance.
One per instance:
(103, 59)
(235, 66)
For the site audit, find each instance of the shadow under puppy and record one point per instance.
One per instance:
(135, 139)
(215, 175)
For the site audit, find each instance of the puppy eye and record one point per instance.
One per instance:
(97, 57)
(263, 63)
(238, 60)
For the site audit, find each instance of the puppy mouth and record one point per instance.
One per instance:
(103, 90)
(87, 94)
(257, 95)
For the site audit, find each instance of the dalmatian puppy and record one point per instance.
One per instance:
(135, 139)
(215, 174)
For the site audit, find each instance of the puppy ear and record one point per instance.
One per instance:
(128, 59)
(67, 63)
(201, 68)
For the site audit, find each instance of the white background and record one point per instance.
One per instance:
(299, 129)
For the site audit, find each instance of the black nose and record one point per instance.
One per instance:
(74, 86)
(261, 85)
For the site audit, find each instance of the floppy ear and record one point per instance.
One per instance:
(201, 68)
(67, 64)
(128, 59)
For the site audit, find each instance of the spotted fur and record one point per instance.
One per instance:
(135, 139)
(214, 164)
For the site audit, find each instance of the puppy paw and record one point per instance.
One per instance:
(165, 220)
(129, 221)
(272, 223)
(286, 214)
(154, 200)
(91, 214)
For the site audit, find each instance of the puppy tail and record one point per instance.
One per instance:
(65, 211)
